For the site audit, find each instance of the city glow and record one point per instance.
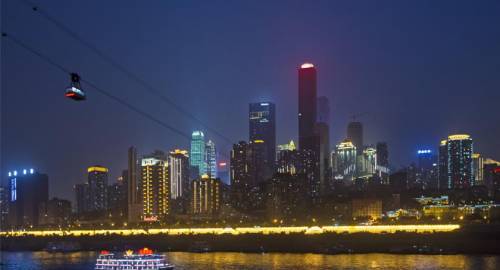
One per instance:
(307, 65)
(377, 229)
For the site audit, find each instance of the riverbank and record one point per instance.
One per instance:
(467, 240)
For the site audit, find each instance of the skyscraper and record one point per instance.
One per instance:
(240, 176)
(262, 127)
(82, 198)
(369, 162)
(98, 185)
(28, 190)
(287, 159)
(455, 162)
(155, 189)
(117, 195)
(427, 170)
(197, 153)
(248, 164)
(307, 107)
(478, 168)
(346, 156)
(4, 207)
(460, 149)
(206, 199)
(179, 173)
(133, 194)
(383, 162)
(425, 159)
(248, 170)
(211, 159)
(323, 131)
(443, 166)
(355, 135)
(309, 140)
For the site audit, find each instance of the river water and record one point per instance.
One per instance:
(281, 261)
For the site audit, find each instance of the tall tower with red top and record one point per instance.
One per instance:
(307, 105)
(309, 143)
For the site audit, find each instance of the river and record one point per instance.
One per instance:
(252, 261)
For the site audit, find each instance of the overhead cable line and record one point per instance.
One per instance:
(97, 88)
(123, 69)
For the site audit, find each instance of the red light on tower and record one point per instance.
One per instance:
(222, 164)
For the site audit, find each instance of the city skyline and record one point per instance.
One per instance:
(65, 170)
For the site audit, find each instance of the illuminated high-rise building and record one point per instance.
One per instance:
(346, 156)
(369, 164)
(206, 198)
(459, 149)
(443, 166)
(27, 190)
(383, 162)
(134, 194)
(55, 212)
(287, 159)
(4, 207)
(478, 169)
(211, 159)
(309, 140)
(197, 153)
(426, 173)
(248, 169)
(155, 188)
(98, 187)
(262, 127)
(425, 159)
(117, 195)
(307, 107)
(240, 176)
(355, 135)
(82, 198)
(178, 161)
(248, 164)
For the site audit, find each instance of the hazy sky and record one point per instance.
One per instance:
(421, 69)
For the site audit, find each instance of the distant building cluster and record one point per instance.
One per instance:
(263, 182)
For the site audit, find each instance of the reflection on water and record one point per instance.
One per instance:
(228, 260)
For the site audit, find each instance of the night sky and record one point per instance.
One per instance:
(421, 69)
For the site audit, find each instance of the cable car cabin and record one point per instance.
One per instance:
(74, 91)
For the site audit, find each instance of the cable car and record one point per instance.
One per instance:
(74, 91)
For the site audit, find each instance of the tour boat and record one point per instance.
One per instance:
(143, 260)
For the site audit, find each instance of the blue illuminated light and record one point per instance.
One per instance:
(10, 174)
(32, 171)
(264, 104)
(13, 189)
(426, 151)
(24, 171)
(15, 173)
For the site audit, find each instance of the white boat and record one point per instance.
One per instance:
(145, 259)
